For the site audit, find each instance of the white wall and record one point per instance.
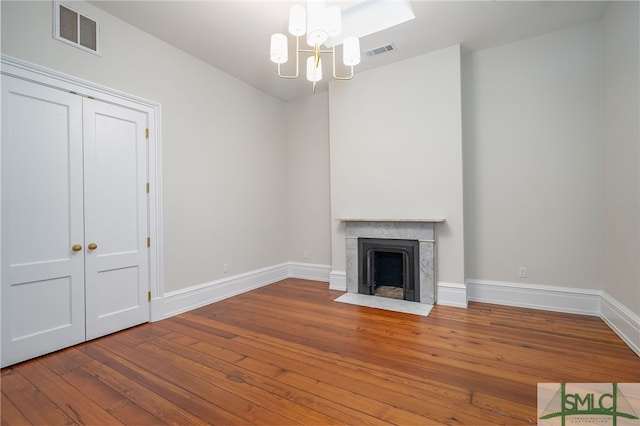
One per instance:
(550, 145)
(532, 149)
(621, 154)
(395, 138)
(308, 199)
(222, 144)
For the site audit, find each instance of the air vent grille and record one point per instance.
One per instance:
(74, 28)
(382, 49)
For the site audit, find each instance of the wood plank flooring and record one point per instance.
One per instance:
(287, 354)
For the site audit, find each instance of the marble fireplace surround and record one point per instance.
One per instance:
(422, 230)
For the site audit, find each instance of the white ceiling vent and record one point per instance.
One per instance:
(382, 49)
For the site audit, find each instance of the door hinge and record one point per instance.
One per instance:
(149, 296)
(148, 241)
(147, 187)
(146, 133)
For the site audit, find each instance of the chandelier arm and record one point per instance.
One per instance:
(297, 62)
(349, 77)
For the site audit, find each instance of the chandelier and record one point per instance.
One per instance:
(319, 23)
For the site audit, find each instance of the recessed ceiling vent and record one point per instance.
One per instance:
(382, 49)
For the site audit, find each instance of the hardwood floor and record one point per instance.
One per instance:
(288, 354)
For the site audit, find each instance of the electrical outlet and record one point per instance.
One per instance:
(225, 268)
(305, 254)
(522, 272)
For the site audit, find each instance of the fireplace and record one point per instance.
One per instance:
(389, 268)
(386, 233)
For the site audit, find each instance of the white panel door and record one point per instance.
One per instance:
(43, 306)
(116, 219)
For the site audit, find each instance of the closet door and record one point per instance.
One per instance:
(43, 306)
(116, 217)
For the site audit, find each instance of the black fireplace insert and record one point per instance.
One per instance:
(389, 268)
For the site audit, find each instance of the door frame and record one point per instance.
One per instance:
(41, 75)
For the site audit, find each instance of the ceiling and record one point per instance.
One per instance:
(234, 35)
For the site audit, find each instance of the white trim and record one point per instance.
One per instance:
(177, 302)
(61, 81)
(338, 280)
(452, 294)
(309, 271)
(156, 216)
(536, 296)
(624, 322)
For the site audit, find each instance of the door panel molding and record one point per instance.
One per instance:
(115, 203)
(41, 173)
(48, 77)
(43, 76)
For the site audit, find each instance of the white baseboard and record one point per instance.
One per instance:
(177, 302)
(338, 280)
(536, 296)
(625, 323)
(309, 271)
(622, 321)
(452, 294)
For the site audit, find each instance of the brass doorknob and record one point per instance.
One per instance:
(92, 246)
(76, 247)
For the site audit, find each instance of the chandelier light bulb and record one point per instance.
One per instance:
(316, 23)
(279, 50)
(351, 51)
(333, 20)
(297, 20)
(314, 74)
(316, 37)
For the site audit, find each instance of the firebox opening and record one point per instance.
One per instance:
(389, 268)
(388, 274)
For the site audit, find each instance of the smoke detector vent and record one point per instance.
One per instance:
(382, 49)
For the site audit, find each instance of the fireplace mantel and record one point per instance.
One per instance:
(364, 219)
